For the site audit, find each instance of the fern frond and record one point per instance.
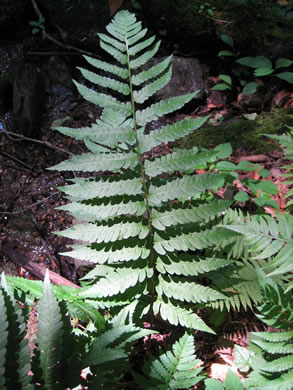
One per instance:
(149, 90)
(267, 237)
(184, 187)
(281, 364)
(88, 162)
(176, 315)
(181, 160)
(106, 82)
(118, 282)
(240, 283)
(49, 336)
(106, 135)
(187, 212)
(91, 213)
(185, 291)
(189, 241)
(15, 355)
(110, 256)
(152, 72)
(114, 69)
(113, 42)
(133, 50)
(276, 307)
(174, 369)
(103, 348)
(102, 99)
(100, 233)
(184, 264)
(92, 188)
(161, 108)
(145, 57)
(170, 133)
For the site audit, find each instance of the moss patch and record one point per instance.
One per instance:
(241, 133)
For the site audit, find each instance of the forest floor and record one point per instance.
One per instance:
(28, 200)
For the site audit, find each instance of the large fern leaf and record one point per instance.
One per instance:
(138, 211)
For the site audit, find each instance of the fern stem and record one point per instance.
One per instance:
(143, 176)
(152, 257)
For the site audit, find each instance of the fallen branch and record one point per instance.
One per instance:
(254, 158)
(37, 141)
(36, 269)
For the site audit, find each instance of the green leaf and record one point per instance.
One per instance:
(225, 166)
(232, 382)
(263, 72)
(133, 50)
(255, 62)
(213, 384)
(287, 76)
(223, 150)
(226, 78)
(241, 196)
(221, 87)
(283, 63)
(250, 88)
(228, 40)
(225, 53)
(268, 186)
(145, 57)
(189, 292)
(243, 358)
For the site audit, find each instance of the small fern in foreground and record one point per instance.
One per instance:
(60, 355)
(172, 370)
(272, 352)
(145, 235)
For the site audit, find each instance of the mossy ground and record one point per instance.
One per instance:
(242, 133)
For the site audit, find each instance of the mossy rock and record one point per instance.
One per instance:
(242, 133)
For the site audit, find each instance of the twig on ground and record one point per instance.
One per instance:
(21, 137)
(16, 160)
(55, 41)
(30, 206)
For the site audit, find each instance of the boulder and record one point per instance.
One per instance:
(187, 77)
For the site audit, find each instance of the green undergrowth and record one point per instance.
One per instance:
(242, 133)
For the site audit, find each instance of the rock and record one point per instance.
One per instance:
(187, 77)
